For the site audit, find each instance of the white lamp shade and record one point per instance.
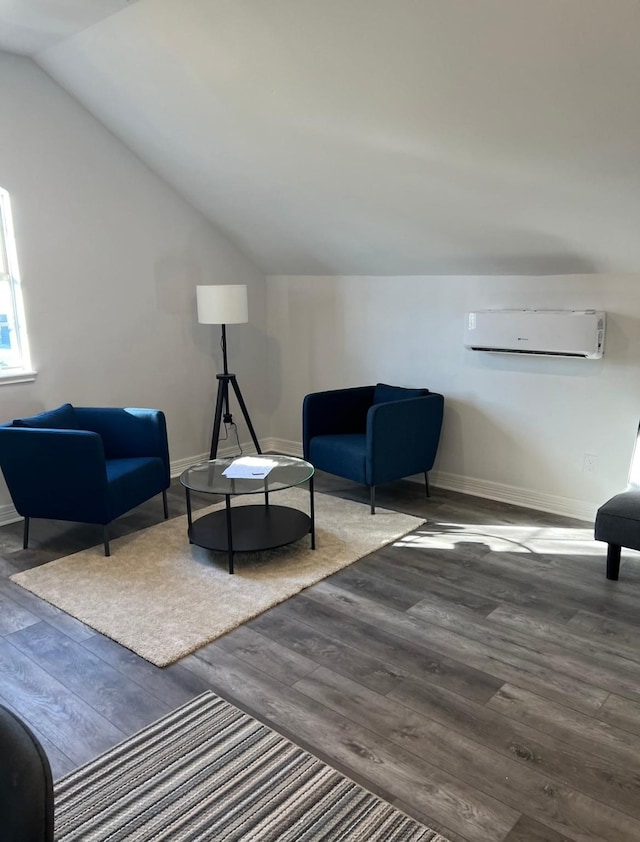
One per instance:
(222, 305)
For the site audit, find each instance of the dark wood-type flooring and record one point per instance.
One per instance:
(481, 674)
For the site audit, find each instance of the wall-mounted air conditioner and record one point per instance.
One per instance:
(551, 333)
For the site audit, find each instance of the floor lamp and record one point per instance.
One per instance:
(225, 305)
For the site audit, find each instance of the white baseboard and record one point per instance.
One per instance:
(289, 448)
(179, 465)
(566, 506)
(8, 515)
(500, 492)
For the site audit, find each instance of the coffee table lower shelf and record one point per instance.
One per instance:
(253, 528)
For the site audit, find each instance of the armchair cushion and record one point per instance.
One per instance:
(342, 455)
(62, 418)
(130, 480)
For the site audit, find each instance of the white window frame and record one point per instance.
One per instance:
(22, 372)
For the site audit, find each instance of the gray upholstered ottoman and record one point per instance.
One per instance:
(618, 520)
(618, 523)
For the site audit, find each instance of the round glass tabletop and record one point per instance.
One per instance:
(247, 474)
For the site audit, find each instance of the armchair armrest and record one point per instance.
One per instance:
(402, 437)
(335, 411)
(128, 432)
(56, 474)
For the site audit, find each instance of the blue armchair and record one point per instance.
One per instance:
(372, 434)
(85, 464)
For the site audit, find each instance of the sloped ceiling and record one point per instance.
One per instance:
(383, 136)
(30, 26)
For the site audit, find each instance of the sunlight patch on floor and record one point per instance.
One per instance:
(503, 538)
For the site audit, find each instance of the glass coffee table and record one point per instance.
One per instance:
(249, 528)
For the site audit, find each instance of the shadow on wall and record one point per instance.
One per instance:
(308, 322)
(543, 263)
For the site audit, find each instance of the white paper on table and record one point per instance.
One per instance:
(249, 467)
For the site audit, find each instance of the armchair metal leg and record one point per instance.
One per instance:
(25, 537)
(164, 503)
(107, 551)
(373, 499)
(613, 560)
(426, 483)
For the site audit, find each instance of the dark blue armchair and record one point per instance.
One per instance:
(372, 434)
(85, 464)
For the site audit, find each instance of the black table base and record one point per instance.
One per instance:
(252, 528)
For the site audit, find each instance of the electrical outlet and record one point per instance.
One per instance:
(589, 463)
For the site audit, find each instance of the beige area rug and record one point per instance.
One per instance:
(164, 598)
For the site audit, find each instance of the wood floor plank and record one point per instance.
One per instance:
(173, 684)
(503, 580)
(572, 585)
(386, 567)
(44, 611)
(616, 655)
(537, 647)
(612, 629)
(49, 707)
(14, 616)
(555, 804)
(281, 662)
(125, 704)
(438, 572)
(622, 713)
(581, 732)
(606, 778)
(468, 650)
(390, 593)
(324, 650)
(527, 829)
(416, 659)
(381, 766)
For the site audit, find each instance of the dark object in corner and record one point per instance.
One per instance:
(26, 786)
(618, 520)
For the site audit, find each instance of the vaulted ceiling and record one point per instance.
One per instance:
(30, 26)
(374, 136)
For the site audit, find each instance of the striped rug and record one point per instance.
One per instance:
(208, 771)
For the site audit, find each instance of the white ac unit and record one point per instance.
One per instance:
(552, 333)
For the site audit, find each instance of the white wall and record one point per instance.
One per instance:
(110, 257)
(515, 428)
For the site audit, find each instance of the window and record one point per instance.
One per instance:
(15, 363)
